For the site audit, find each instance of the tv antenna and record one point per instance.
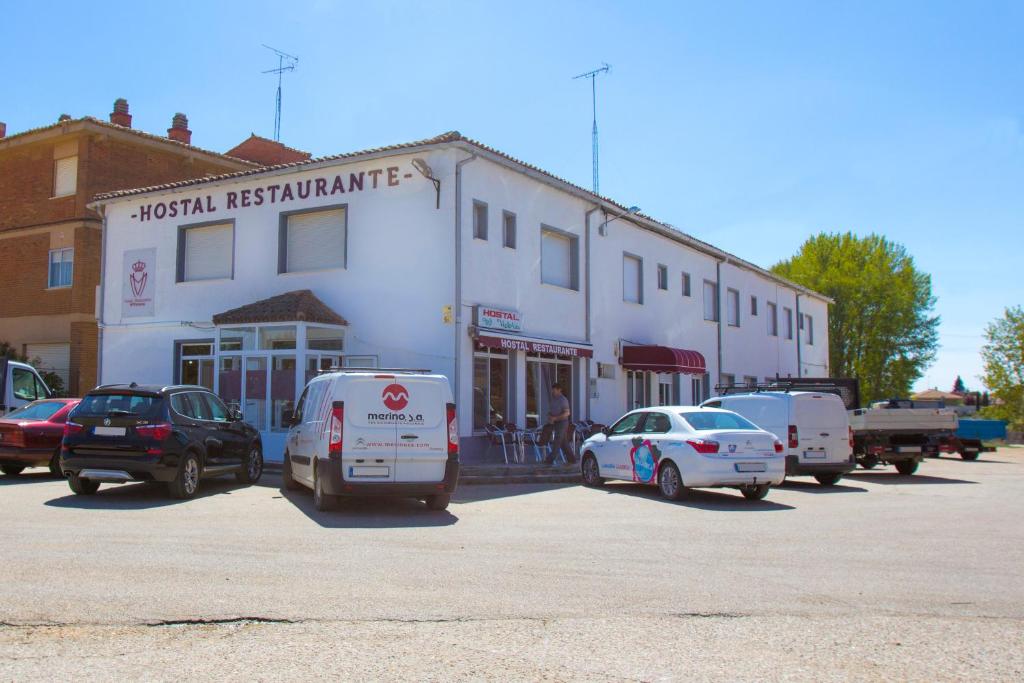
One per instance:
(285, 62)
(592, 75)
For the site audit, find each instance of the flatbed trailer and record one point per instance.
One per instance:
(900, 433)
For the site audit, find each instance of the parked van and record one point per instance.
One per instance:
(814, 427)
(20, 384)
(374, 433)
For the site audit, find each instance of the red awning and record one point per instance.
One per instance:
(663, 359)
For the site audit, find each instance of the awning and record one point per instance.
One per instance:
(518, 342)
(663, 359)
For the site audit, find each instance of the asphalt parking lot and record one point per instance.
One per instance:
(883, 577)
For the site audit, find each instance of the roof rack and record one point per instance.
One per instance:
(404, 371)
(846, 388)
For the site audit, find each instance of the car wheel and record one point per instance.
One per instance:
(669, 481)
(869, 463)
(906, 467)
(55, 469)
(321, 501)
(12, 470)
(755, 491)
(252, 470)
(186, 483)
(591, 471)
(969, 456)
(439, 502)
(287, 480)
(82, 487)
(828, 479)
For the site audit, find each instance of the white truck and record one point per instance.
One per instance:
(899, 432)
(20, 384)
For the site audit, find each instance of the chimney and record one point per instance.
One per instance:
(3, 129)
(179, 129)
(120, 115)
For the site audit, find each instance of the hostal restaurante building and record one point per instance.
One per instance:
(442, 254)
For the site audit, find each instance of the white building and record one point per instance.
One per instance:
(442, 254)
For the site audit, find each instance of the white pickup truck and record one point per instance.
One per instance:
(898, 432)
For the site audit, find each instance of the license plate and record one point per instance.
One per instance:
(750, 467)
(812, 455)
(908, 449)
(369, 471)
(109, 431)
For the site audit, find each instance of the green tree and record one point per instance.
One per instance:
(881, 327)
(1003, 356)
(958, 386)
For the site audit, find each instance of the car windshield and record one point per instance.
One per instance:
(113, 405)
(40, 410)
(714, 420)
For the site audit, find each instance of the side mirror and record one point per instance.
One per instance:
(607, 431)
(288, 417)
(235, 415)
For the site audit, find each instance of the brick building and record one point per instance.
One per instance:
(50, 243)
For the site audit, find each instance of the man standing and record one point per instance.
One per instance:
(557, 428)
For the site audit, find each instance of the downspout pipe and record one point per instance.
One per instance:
(799, 352)
(458, 272)
(100, 305)
(587, 301)
(718, 314)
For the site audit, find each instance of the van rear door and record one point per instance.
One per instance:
(423, 436)
(822, 427)
(373, 409)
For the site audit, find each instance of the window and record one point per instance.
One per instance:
(656, 423)
(710, 300)
(65, 176)
(632, 279)
(667, 390)
(197, 364)
(733, 305)
(312, 240)
(543, 370)
(606, 370)
(787, 321)
(508, 229)
(25, 385)
(206, 252)
(490, 389)
(217, 410)
(638, 390)
(62, 267)
(696, 391)
(753, 305)
(809, 331)
(662, 277)
(800, 321)
(686, 284)
(708, 420)
(750, 381)
(479, 220)
(727, 380)
(558, 258)
(42, 410)
(101, 405)
(773, 320)
(626, 425)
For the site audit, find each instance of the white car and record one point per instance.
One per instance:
(678, 447)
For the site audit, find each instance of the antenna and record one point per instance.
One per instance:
(592, 75)
(292, 60)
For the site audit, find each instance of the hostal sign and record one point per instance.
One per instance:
(489, 318)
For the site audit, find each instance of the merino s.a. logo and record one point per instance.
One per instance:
(396, 397)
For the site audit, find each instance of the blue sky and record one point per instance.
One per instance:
(749, 125)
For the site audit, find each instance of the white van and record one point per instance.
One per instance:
(814, 427)
(374, 433)
(20, 384)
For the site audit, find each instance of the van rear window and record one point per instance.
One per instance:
(117, 404)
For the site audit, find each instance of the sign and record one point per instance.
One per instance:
(498, 319)
(535, 346)
(138, 283)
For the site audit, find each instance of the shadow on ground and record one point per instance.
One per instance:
(902, 480)
(815, 487)
(701, 499)
(37, 475)
(142, 495)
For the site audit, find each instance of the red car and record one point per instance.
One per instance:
(30, 436)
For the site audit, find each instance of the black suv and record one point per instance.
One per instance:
(179, 434)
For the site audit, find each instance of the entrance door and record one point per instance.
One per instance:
(638, 389)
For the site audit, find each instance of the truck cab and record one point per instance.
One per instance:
(20, 384)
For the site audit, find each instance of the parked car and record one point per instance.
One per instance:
(813, 426)
(30, 436)
(374, 433)
(177, 435)
(20, 384)
(681, 447)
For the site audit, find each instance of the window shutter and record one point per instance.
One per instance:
(65, 176)
(631, 279)
(556, 259)
(315, 240)
(208, 252)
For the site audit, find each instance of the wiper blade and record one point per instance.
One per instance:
(112, 413)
